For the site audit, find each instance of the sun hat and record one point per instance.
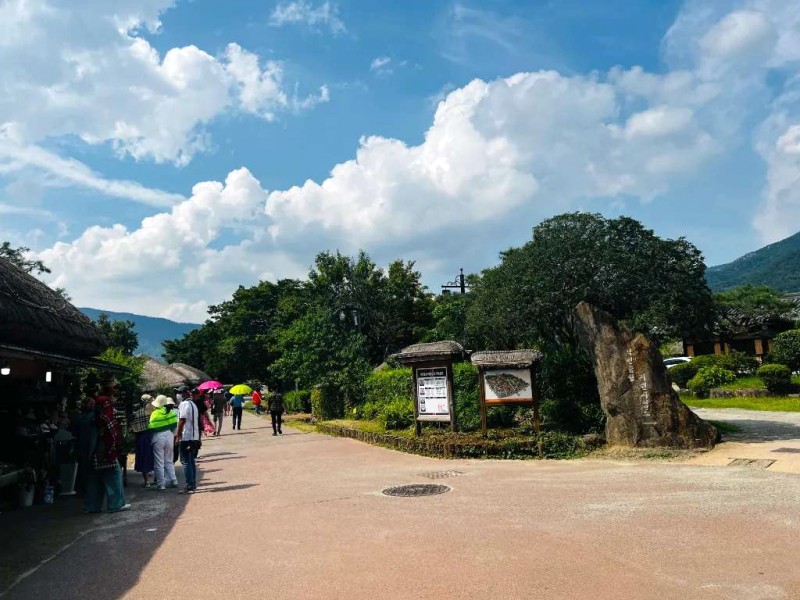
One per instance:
(162, 400)
(146, 398)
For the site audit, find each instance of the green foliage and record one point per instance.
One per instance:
(298, 401)
(121, 334)
(398, 414)
(382, 387)
(450, 317)
(18, 257)
(738, 362)
(708, 378)
(754, 300)
(682, 373)
(326, 403)
(465, 392)
(786, 349)
(568, 391)
(705, 360)
(657, 286)
(777, 378)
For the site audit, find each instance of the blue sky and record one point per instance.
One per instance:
(436, 131)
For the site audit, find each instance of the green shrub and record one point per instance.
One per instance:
(383, 387)
(397, 414)
(568, 392)
(326, 403)
(776, 378)
(298, 401)
(707, 378)
(682, 373)
(465, 392)
(786, 349)
(705, 360)
(738, 362)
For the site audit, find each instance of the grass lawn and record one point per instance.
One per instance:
(775, 403)
(745, 383)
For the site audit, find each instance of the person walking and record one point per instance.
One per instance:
(188, 436)
(257, 401)
(105, 482)
(144, 462)
(163, 422)
(276, 410)
(218, 405)
(237, 405)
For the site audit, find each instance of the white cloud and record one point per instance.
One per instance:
(84, 69)
(325, 15)
(498, 155)
(379, 63)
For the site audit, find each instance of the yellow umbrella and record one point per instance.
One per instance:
(241, 389)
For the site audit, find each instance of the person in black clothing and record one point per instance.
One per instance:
(276, 410)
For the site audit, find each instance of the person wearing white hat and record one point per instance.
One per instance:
(163, 423)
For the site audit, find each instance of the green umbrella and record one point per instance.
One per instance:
(241, 389)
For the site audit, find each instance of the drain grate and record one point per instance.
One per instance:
(441, 474)
(753, 463)
(788, 450)
(416, 489)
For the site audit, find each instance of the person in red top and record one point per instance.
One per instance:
(257, 401)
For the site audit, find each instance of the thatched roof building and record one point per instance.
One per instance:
(34, 317)
(191, 375)
(156, 376)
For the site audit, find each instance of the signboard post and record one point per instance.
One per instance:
(506, 378)
(432, 366)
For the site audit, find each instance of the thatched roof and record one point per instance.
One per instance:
(432, 350)
(158, 375)
(191, 375)
(34, 316)
(509, 359)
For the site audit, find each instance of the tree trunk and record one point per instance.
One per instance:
(640, 405)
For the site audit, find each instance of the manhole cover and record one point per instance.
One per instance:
(753, 463)
(441, 474)
(788, 450)
(416, 489)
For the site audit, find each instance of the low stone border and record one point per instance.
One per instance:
(447, 448)
(722, 393)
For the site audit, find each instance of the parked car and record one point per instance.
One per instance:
(676, 360)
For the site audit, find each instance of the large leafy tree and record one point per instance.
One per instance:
(755, 300)
(121, 334)
(657, 286)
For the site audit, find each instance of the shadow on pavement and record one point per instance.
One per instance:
(203, 461)
(227, 488)
(755, 431)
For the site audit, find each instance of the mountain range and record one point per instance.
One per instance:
(776, 265)
(152, 330)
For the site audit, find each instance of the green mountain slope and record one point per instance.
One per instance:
(776, 265)
(152, 331)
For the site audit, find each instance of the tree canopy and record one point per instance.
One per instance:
(121, 334)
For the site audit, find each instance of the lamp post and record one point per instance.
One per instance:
(459, 283)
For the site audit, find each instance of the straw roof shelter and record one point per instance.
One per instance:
(191, 375)
(156, 375)
(35, 318)
(506, 359)
(444, 350)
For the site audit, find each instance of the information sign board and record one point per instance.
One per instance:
(432, 393)
(507, 386)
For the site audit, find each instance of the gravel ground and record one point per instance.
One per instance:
(756, 425)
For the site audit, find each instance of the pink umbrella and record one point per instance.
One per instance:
(209, 385)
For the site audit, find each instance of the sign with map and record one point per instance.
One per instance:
(432, 394)
(507, 386)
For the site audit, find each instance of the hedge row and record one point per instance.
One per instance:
(549, 444)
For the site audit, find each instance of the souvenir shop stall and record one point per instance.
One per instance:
(46, 367)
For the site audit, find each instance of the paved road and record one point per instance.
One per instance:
(302, 516)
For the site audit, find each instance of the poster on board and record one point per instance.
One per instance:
(432, 396)
(508, 386)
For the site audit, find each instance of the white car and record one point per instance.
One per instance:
(676, 360)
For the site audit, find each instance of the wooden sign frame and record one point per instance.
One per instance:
(451, 405)
(532, 401)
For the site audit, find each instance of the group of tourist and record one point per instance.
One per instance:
(165, 428)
